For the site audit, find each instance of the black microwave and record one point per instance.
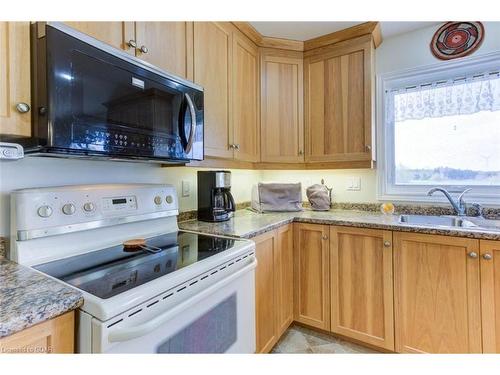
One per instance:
(93, 100)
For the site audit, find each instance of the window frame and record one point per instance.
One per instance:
(387, 190)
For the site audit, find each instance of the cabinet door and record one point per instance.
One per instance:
(167, 45)
(15, 78)
(284, 278)
(490, 295)
(282, 126)
(339, 103)
(437, 294)
(53, 336)
(245, 98)
(362, 285)
(117, 34)
(212, 70)
(311, 275)
(265, 286)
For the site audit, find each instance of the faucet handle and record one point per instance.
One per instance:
(460, 197)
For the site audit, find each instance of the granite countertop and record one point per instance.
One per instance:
(248, 224)
(28, 297)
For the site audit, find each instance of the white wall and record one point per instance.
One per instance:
(41, 171)
(412, 49)
(336, 179)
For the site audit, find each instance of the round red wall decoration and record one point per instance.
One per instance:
(457, 39)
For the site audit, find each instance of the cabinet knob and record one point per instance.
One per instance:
(368, 147)
(487, 256)
(472, 255)
(301, 152)
(387, 243)
(237, 146)
(23, 107)
(232, 146)
(132, 43)
(144, 49)
(325, 237)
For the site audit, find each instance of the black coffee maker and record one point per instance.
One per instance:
(215, 202)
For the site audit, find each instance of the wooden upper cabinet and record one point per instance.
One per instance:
(116, 34)
(15, 78)
(245, 64)
(338, 102)
(362, 285)
(490, 295)
(282, 126)
(53, 336)
(436, 294)
(312, 275)
(265, 292)
(167, 45)
(284, 278)
(212, 70)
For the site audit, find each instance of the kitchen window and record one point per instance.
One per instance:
(440, 126)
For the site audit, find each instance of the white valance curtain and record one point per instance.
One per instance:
(449, 98)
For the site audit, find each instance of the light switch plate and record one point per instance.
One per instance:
(353, 184)
(186, 188)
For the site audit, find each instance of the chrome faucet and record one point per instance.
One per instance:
(458, 205)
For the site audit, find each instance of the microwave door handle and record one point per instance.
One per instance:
(129, 333)
(189, 144)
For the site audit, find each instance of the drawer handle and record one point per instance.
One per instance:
(472, 255)
(487, 256)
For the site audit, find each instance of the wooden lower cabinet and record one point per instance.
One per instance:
(266, 334)
(312, 275)
(437, 294)
(273, 286)
(490, 295)
(361, 285)
(53, 336)
(284, 278)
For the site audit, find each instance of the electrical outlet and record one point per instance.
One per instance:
(186, 188)
(353, 184)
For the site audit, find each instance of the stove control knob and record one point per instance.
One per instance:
(169, 199)
(69, 209)
(44, 211)
(88, 207)
(157, 200)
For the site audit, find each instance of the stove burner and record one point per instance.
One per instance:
(108, 272)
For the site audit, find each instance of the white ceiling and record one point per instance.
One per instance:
(308, 30)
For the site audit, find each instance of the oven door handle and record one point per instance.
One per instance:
(192, 112)
(129, 333)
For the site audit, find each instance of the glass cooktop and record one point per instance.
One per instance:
(111, 271)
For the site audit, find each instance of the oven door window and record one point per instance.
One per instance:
(103, 107)
(213, 332)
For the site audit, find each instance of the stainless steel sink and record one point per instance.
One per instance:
(442, 221)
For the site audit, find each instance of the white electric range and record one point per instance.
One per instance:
(179, 292)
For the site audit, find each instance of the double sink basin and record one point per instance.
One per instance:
(451, 221)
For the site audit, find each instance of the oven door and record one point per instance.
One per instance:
(218, 318)
(102, 104)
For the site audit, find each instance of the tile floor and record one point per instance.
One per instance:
(298, 339)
